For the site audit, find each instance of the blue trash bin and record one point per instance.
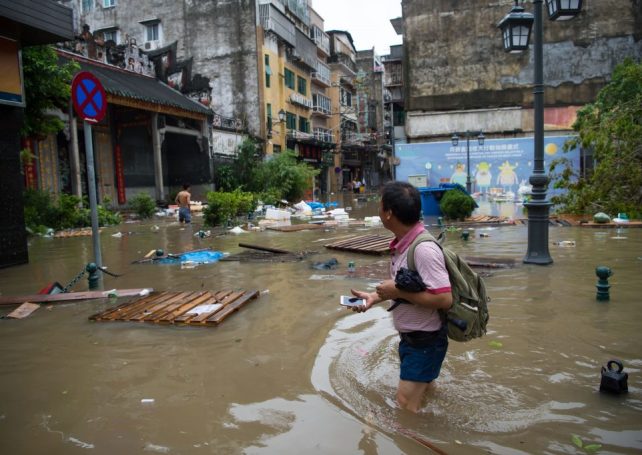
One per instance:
(430, 197)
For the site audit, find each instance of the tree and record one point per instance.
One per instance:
(47, 86)
(611, 128)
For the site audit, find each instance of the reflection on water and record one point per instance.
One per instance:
(294, 373)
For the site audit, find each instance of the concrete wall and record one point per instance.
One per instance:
(454, 57)
(219, 35)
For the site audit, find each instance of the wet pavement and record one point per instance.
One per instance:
(294, 372)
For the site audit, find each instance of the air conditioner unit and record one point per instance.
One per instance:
(148, 46)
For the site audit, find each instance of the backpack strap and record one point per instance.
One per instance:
(423, 237)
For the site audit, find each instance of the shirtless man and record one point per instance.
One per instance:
(183, 201)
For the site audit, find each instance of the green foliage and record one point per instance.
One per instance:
(287, 175)
(611, 128)
(226, 206)
(282, 177)
(456, 205)
(270, 197)
(143, 205)
(43, 211)
(47, 86)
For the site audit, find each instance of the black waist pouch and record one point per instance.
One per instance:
(421, 339)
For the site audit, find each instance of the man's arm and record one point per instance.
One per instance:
(441, 300)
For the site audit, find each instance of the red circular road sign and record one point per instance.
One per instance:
(88, 97)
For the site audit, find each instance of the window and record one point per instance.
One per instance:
(289, 79)
(268, 71)
(110, 35)
(346, 98)
(290, 121)
(87, 5)
(109, 3)
(268, 110)
(153, 31)
(302, 85)
(304, 125)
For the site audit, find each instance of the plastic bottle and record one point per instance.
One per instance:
(351, 267)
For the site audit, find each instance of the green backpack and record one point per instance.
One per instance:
(468, 316)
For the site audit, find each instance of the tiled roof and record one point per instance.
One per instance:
(127, 84)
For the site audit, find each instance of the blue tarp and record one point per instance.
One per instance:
(199, 257)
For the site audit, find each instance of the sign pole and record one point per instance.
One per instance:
(90, 103)
(91, 182)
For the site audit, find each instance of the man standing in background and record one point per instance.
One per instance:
(183, 201)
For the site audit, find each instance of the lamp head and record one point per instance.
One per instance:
(516, 29)
(563, 10)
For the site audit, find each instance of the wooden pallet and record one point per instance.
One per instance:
(370, 244)
(201, 308)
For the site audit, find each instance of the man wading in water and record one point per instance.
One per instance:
(424, 338)
(183, 201)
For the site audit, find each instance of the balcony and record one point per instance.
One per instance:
(322, 74)
(324, 135)
(276, 22)
(350, 138)
(321, 39)
(321, 104)
(305, 50)
(349, 65)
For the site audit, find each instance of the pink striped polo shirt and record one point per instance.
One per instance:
(429, 262)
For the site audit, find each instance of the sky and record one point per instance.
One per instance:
(368, 21)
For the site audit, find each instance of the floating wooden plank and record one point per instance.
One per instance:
(295, 227)
(23, 310)
(264, 248)
(68, 296)
(370, 244)
(191, 308)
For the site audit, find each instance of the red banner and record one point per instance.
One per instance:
(120, 175)
(29, 166)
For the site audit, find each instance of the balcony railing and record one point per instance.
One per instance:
(275, 21)
(322, 74)
(323, 135)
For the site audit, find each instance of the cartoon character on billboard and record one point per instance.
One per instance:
(507, 176)
(483, 177)
(459, 175)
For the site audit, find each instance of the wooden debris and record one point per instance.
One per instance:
(23, 310)
(295, 227)
(265, 248)
(85, 232)
(264, 256)
(201, 308)
(370, 244)
(68, 296)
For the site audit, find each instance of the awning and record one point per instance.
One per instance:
(127, 88)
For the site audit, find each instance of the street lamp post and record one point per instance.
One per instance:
(468, 135)
(515, 28)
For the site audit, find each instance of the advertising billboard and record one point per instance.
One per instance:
(500, 165)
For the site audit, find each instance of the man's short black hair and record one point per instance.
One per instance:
(403, 200)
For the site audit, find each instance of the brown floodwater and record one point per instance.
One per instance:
(293, 372)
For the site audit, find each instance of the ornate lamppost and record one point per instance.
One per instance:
(516, 27)
(480, 141)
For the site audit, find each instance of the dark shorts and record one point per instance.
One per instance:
(184, 215)
(421, 356)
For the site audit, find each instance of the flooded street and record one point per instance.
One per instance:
(293, 372)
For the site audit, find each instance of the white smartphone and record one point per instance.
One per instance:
(347, 300)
